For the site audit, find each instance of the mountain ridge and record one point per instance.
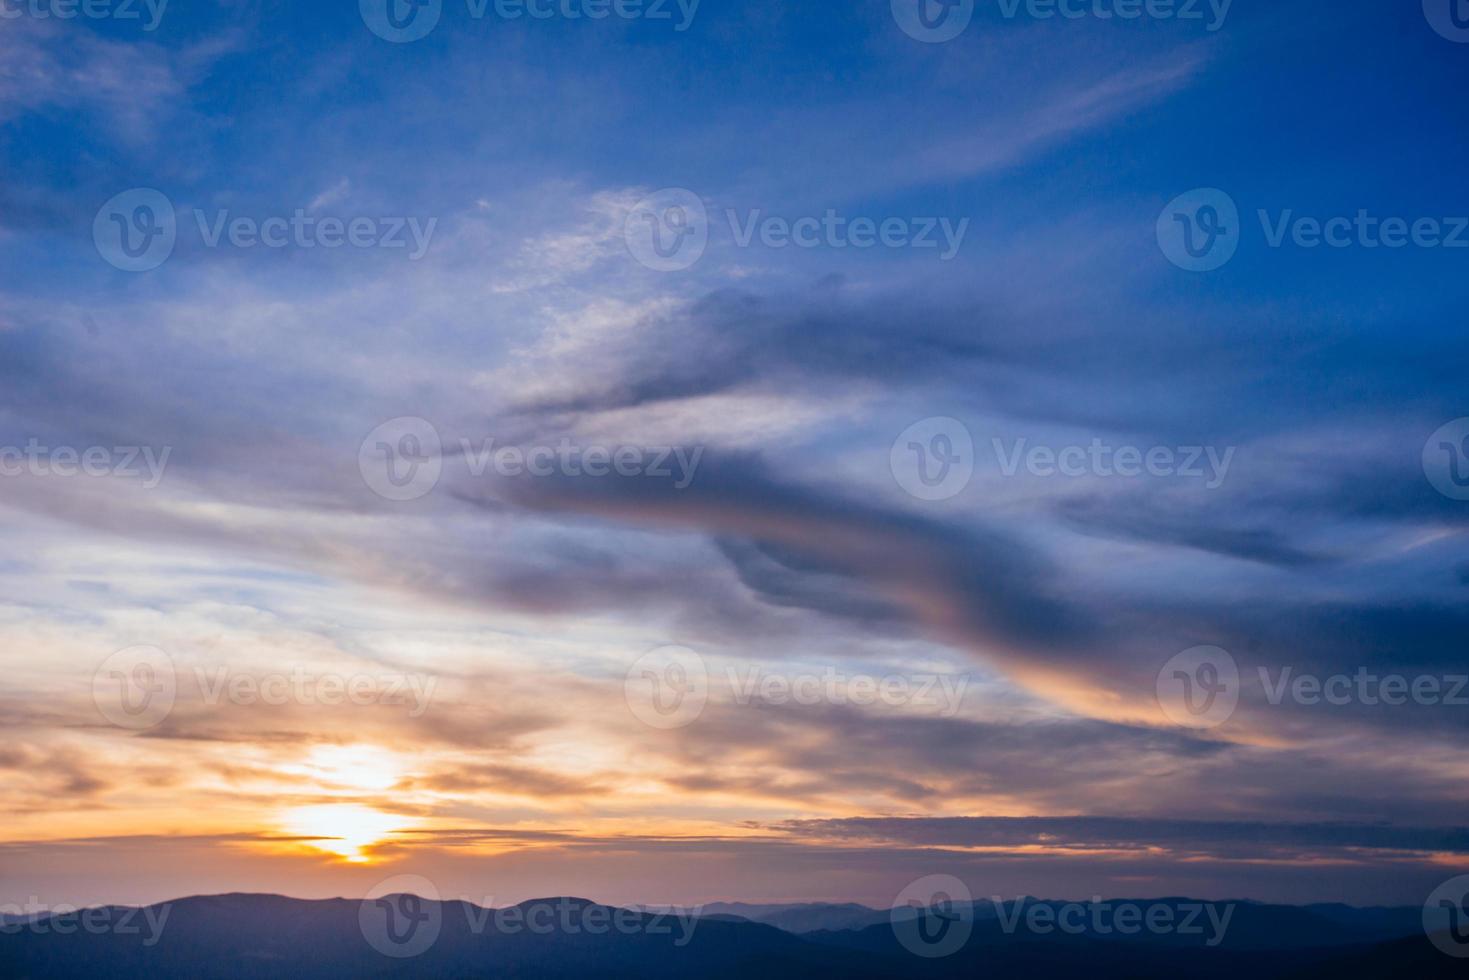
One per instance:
(253, 935)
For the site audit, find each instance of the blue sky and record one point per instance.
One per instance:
(523, 154)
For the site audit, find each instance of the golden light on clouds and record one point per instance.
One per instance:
(356, 768)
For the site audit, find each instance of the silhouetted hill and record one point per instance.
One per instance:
(268, 936)
(801, 916)
(1251, 925)
(1240, 925)
(1414, 957)
(1379, 921)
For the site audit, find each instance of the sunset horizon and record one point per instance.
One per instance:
(915, 485)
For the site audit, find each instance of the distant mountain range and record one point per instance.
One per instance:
(268, 936)
(1252, 925)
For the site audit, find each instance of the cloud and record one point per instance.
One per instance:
(131, 89)
(792, 373)
(1236, 839)
(335, 194)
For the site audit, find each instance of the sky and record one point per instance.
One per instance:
(733, 451)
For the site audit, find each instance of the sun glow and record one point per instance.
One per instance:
(347, 830)
(348, 768)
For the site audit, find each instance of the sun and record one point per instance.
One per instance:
(347, 830)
